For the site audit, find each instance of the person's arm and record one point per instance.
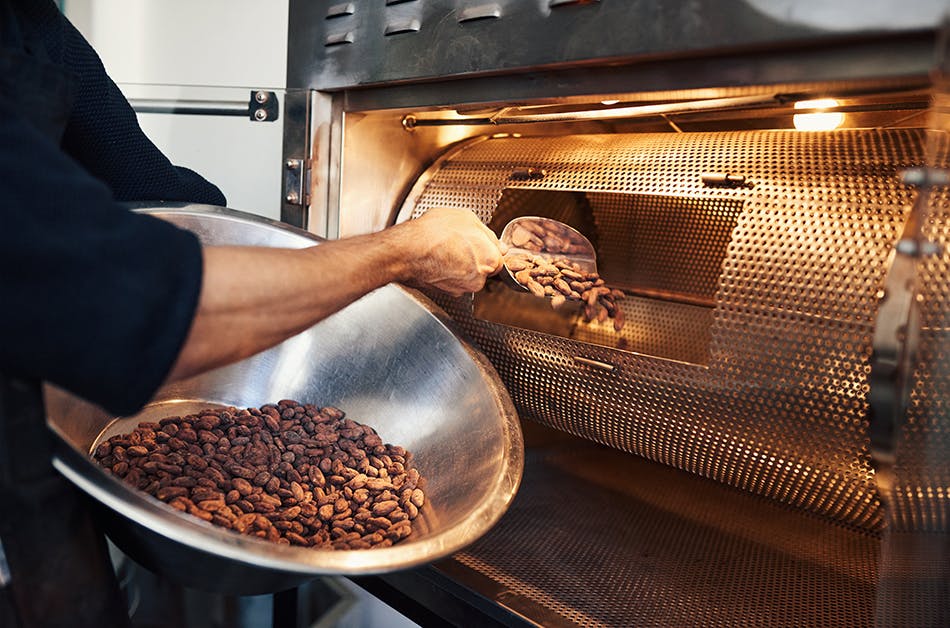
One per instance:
(105, 302)
(254, 298)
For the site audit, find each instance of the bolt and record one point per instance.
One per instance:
(925, 176)
(261, 97)
(291, 164)
(291, 197)
(260, 115)
(908, 247)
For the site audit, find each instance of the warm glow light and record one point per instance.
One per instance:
(817, 121)
(609, 102)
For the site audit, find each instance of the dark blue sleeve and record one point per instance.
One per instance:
(95, 299)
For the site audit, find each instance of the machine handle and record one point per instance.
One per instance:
(262, 106)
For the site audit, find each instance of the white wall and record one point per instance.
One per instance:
(200, 50)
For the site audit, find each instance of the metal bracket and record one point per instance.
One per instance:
(724, 180)
(528, 174)
(296, 182)
(263, 106)
(896, 335)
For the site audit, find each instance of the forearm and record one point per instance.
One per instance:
(253, 298)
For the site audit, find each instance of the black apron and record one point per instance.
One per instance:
(56, 571)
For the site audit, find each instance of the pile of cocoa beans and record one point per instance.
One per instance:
(564, 281)
(541, 266)
(291, 473)
(539, 235)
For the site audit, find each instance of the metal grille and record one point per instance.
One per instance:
(598, 539)
(780, 410)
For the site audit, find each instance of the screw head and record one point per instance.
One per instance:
(261, 97)
(260, 115)
(291, 197)
(291, 164)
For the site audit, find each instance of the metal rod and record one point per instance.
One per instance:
(662, 110)
(597, 364)
(638, 111)
(671, 296)
(191, 107)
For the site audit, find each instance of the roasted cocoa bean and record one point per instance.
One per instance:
(378, 484)
(242, 486)
(167, 493)
(201, 493)
(383, 508)
(325, 512)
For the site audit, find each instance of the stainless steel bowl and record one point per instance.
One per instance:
(392, 360)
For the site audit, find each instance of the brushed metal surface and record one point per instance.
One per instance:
(449, 43)
(390, 360)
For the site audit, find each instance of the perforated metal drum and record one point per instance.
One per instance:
(746, 354)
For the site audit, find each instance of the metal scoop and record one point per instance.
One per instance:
(529, 237)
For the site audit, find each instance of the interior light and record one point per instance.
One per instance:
(817, 121)
(609, 102)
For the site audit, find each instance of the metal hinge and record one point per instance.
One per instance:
(263, 106)
(296, 182)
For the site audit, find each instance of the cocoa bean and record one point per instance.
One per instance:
(378, 484)
(383, 508)
(242, 472)
(167, 493)
(242, 486)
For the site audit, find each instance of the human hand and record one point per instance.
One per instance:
(450, 249)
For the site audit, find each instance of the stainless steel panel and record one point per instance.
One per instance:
(449, 44)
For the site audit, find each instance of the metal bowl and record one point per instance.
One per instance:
(392, 360)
